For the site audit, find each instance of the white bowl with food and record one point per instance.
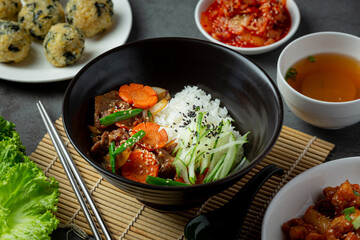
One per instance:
(318, 76)
(297, 198)
(264, 28)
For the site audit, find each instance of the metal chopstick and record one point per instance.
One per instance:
(71, 172)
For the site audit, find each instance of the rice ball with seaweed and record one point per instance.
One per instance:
(9, 9)
(90, 16)
(15, 42)
(63, 44)
(37, 16)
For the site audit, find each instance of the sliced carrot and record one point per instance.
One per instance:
(139, 165)
(153, 139)
(140, 96)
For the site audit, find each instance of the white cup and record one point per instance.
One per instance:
(327, 115)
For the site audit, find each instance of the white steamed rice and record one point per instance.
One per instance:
(181, 110)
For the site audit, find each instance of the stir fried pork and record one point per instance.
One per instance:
(102, 136)
(167, 169)
(102, 142)
(107, 104)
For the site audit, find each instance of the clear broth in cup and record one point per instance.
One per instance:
(327, 77)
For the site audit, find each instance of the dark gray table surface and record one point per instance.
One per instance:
(175, 18)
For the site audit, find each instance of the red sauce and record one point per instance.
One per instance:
(247, 23)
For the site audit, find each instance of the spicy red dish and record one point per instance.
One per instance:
(335, 216)
(247, 23)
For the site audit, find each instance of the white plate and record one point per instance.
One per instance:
(304, 190)
(35, 68)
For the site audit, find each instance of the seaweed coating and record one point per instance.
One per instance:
(9, 9)
(63, 44)
(90, 16)
(37, 16)
(15, 42)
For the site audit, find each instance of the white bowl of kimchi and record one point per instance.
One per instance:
(325, 198)
(248, 27)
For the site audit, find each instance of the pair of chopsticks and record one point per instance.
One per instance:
(74, 177)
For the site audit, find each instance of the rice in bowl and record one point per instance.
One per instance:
(180, 111)
(213, 150)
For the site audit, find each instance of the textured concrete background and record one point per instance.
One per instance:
(167, 18)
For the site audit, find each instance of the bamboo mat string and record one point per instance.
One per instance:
(129, 219)
(96, 184)
(132, 222)
(51, 164)
(287, 174)
(74, 216)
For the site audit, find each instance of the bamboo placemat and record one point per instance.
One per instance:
(129, 219)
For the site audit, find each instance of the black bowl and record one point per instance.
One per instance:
(249, 94)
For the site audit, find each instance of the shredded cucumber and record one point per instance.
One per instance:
(211, 175)
(229, 158)
(207, 148)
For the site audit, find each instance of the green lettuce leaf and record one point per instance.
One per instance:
(10, 155)
(8, 133)
(27, 199)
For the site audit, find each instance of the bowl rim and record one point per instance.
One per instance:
(308, 174)
(295, 22)
(229, 178)
(281, 78)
